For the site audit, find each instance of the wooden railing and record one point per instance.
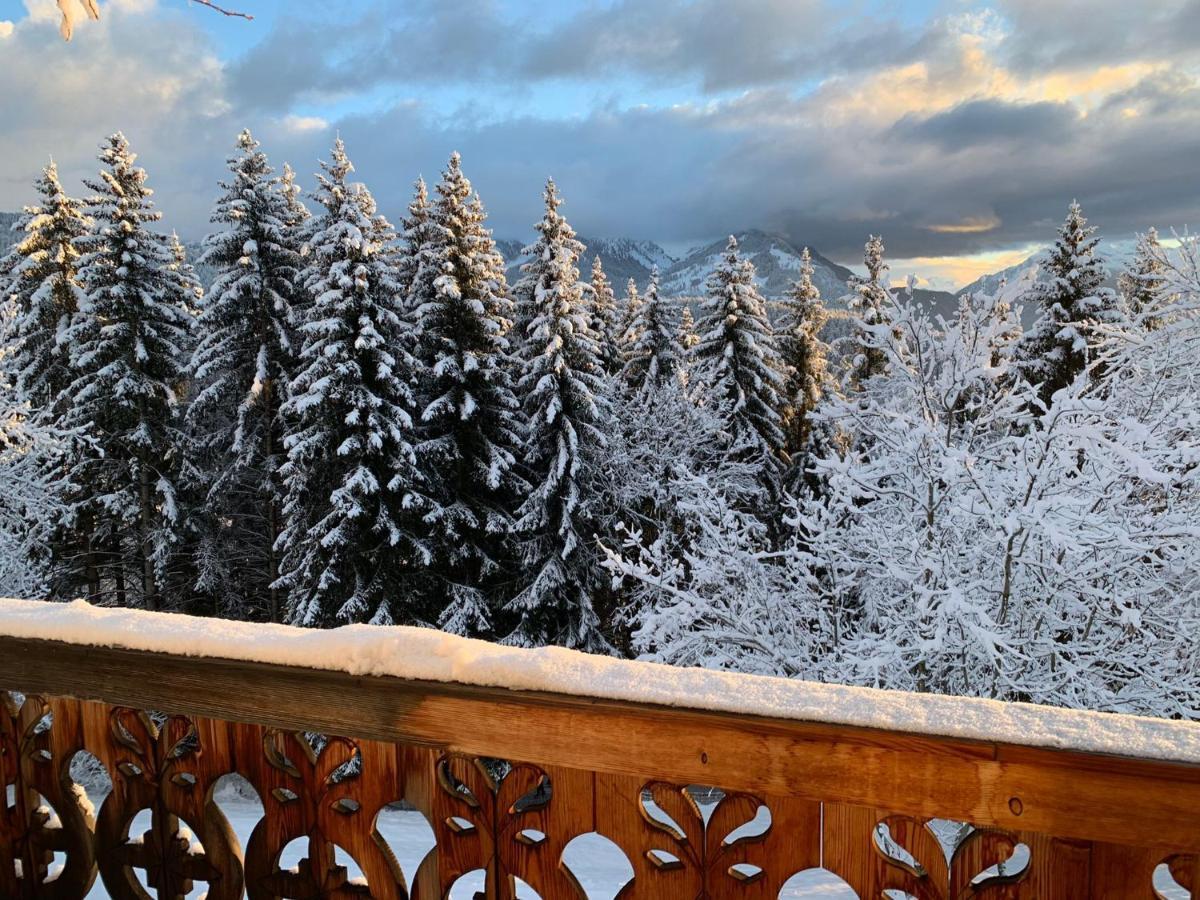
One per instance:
(1091, 826)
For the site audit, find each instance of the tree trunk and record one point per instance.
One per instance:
(149, 582)
(118, 569)
(272, 559)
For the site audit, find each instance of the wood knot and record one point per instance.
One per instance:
(1015, 804)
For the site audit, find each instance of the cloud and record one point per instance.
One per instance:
(989, 122)
(139, 69)
(954, 138)
(292, 122)
(1077, 34)
(704, 42)
(969, 225)
(762, 42)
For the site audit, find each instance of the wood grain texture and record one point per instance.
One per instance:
(1069, 795)
(508, 780)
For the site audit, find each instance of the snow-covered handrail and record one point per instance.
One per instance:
(1100, 800)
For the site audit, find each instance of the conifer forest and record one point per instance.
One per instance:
(323, 416)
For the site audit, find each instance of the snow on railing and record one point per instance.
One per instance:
(514, 756)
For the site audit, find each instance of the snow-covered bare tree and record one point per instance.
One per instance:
(699, 579)
(31, 509)
(351, 545)
(240, 370)
(563, 390)
(470, 423)
(129, 342)
(968, 553)
(727, 599)
(1074, 307)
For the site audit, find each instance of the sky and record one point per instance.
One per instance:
(958, 130)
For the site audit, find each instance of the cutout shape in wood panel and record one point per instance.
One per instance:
(322, 798)
(165, 771)
(46, 849)
(984, 863)
(703, 843)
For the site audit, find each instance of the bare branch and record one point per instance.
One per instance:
(70, 13)
(223, 11)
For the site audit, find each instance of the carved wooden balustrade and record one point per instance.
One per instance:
(1091, 826)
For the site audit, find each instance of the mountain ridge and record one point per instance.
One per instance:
(776, 261)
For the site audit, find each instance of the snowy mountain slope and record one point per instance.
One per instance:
(623, 258)
(776, 260)
(1116, 256)
(8, 237)
(510, 249)
(989, 284)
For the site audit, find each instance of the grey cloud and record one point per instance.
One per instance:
(723, 45)
(988, 122)
(1047, 34)
(763, 159)
(719, 45)
(680, 175)
(419, 42)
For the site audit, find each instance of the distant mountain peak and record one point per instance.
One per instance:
(622, 258)
(776, 259)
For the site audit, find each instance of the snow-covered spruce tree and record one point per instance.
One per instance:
(470, 425)
(870, 300)
(350, 545)
(1141, 283)
(562, 386)
(245, 357)
(631, 304)
(688, 338)
(184, 281)
(39, 277)
(653, 354)
(736, 367)
(417, 268)
(804, 357)
(605, 319)
(1072, 303)
(129, 340)
(297, 212)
